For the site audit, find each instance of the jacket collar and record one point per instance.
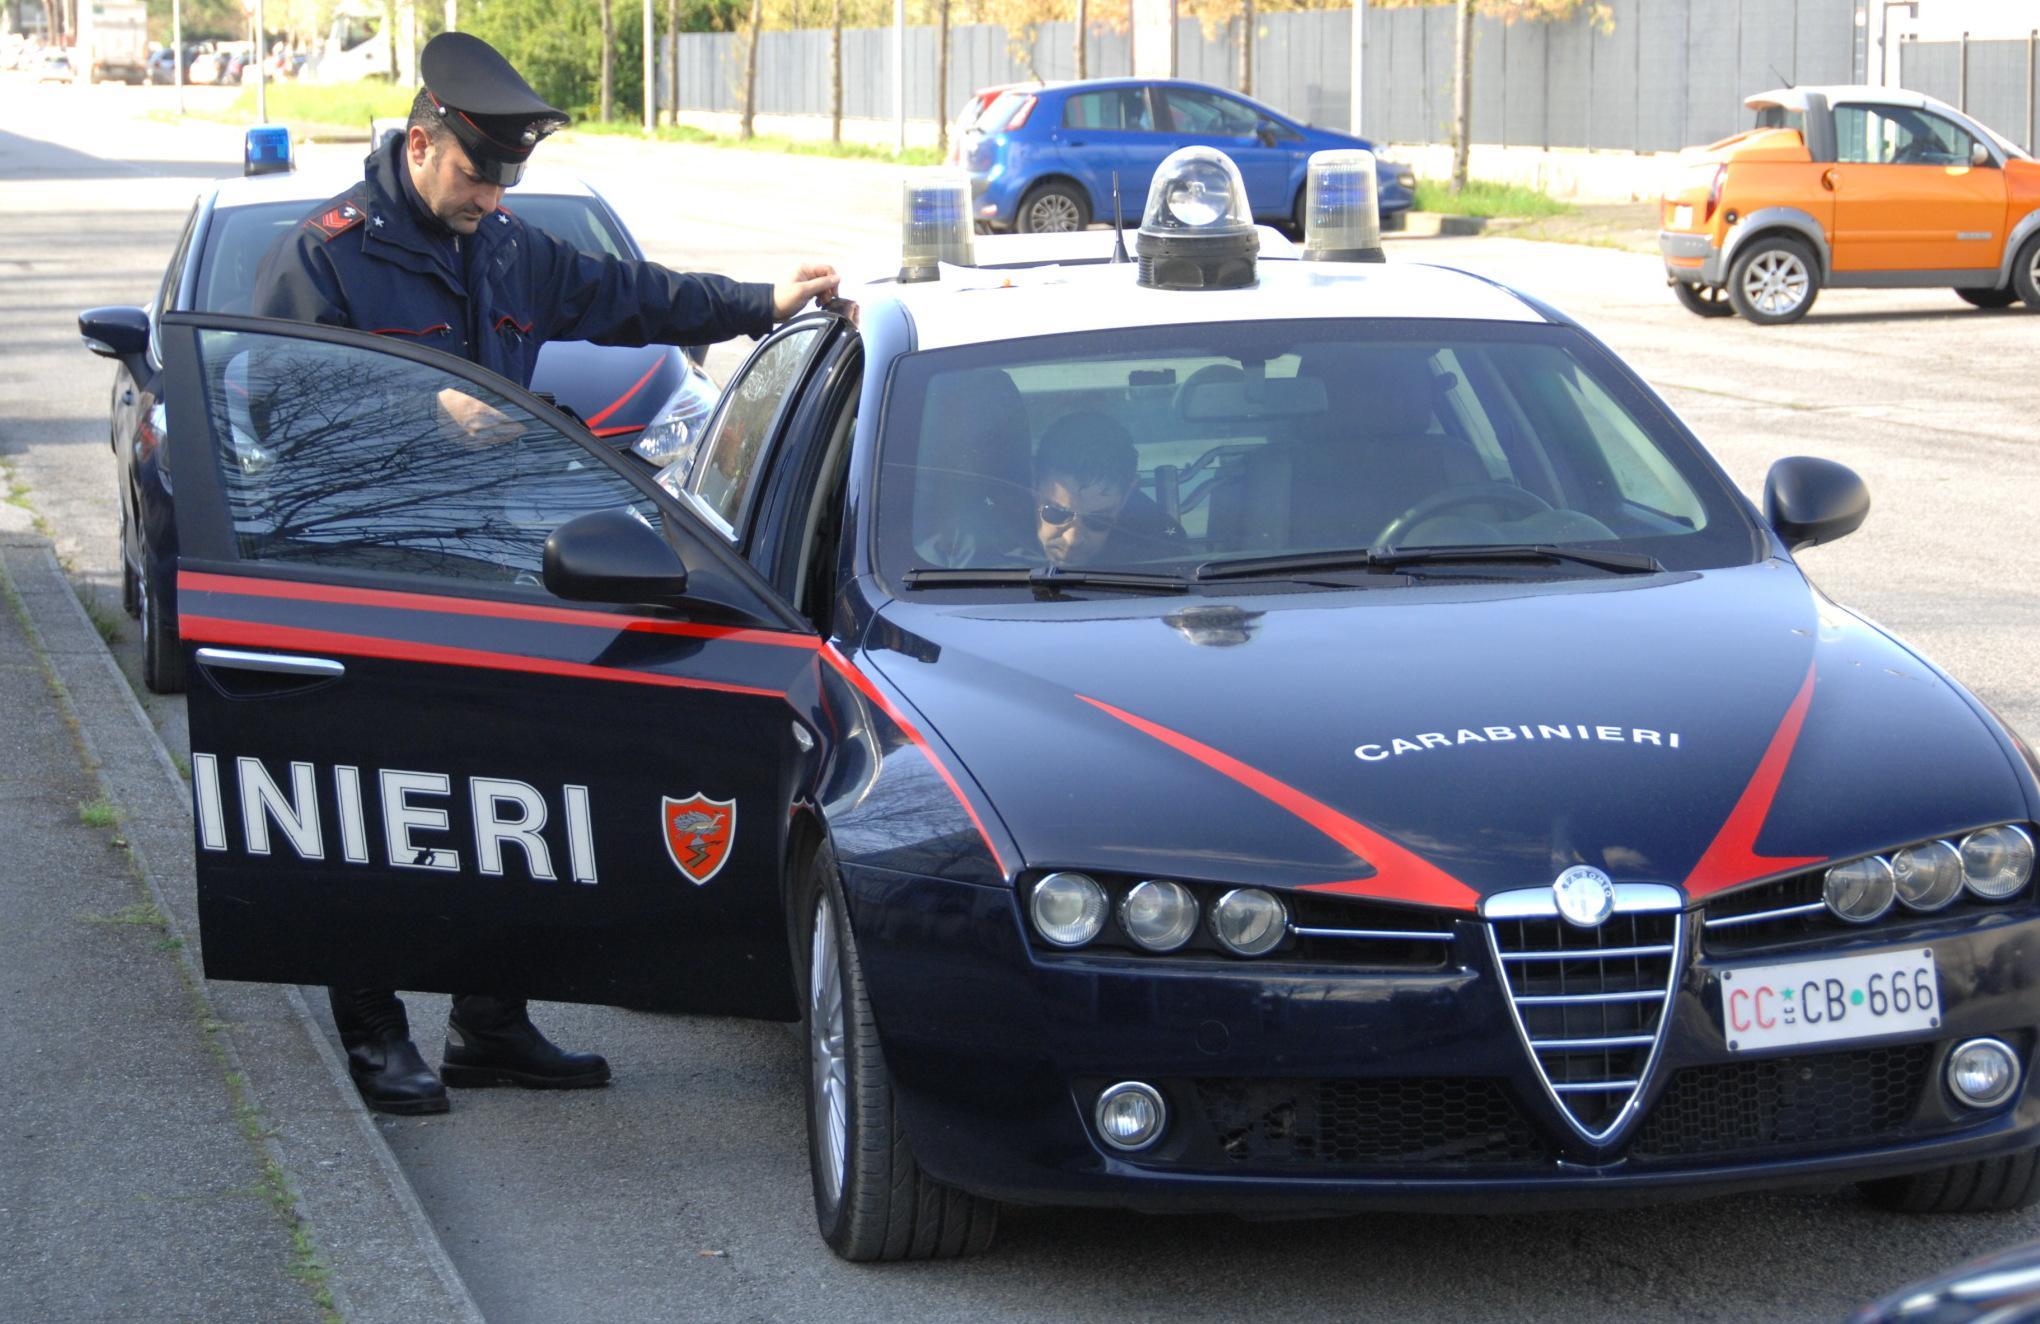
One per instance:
(396, 215)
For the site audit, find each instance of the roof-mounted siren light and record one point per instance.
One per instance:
(1198, 231)
(1342, 208)
(266, 150)
(935, 224)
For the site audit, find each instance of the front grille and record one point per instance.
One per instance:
(1366, 1122)
(1590, 1003)
(1821, 1099)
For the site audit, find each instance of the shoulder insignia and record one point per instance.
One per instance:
(336, 220)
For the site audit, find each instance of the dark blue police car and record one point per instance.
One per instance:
(1214, 732)
(642, 398)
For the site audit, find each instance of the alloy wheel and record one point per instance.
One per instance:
(1052, 213)
(1777, 282)
(831, 1073)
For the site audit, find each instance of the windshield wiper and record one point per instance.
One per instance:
(1399, 558)
(1044, 581)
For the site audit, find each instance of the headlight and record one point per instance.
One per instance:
(1860, 890)
(1249, 921)
(1997, 862)
(1068, 908)
(674, 433)
(1927, 876)
(1158, 915)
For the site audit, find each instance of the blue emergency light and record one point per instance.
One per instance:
(267, 148)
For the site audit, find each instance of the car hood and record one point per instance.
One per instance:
(1434, 744)
(615, 390)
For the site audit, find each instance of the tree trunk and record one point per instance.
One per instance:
(453, 15)
(1247, 47)
(1083, 22)
(836, 73)
(1462, 93)
(673, 62)
(751, 69)
(608, 60)
(942, 81)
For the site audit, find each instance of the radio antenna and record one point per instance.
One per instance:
(1118, 225)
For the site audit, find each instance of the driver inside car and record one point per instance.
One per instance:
(1086, 506)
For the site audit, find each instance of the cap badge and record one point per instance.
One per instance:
(1585, 896)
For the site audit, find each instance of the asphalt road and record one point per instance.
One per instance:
(681, 1191)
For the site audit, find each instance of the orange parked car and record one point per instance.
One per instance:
(1851, 186)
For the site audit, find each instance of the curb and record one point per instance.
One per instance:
(383, 1258)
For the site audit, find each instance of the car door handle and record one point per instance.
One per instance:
(1076, 142)
(274, 664)
(1828, 179)
(127, 397)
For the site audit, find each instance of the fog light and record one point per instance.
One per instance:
(1997, 862)
(1159, 915)
(1249, 921)
(1068, 909)
(1860, 890)
(1927, 876)
(1982, 1073)
(1131, 1116)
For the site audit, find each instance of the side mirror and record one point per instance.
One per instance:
(115, 333)
(1979, 155)
(1811, 501)
(612, 556)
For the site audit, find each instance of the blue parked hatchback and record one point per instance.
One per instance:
(1043, 157)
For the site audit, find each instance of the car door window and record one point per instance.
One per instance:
(733, 452)
(1195, 111)
(1121, 108)
(1899, 135)
(342, 457)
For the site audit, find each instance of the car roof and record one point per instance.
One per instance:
(313, 185)
(971, 306)
(1794, 98)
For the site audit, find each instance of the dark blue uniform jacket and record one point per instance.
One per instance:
(373, 259)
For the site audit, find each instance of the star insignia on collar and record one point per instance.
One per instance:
(378, 222)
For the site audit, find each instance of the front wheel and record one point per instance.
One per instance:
(1703, 300)
(872, 1202)
(1992, 1185)
(1053, 209)
(1773, 281)
(162, 650)
(2003, 298)
(2026, 271)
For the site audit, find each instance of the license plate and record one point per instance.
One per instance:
(1682, 218)
(1818, 1002)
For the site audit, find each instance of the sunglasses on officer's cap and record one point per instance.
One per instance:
(498, 146)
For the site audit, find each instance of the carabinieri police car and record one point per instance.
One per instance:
(1212, 731)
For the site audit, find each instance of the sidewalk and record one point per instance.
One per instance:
(174, 1150)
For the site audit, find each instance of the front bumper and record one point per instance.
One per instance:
(1690, 258)
(998, 1054)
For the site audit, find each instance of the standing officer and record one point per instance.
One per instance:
(420, 248)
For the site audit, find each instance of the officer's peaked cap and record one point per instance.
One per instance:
(489, 107)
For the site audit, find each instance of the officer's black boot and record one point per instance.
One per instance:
(491, 1041)
(386, 1067)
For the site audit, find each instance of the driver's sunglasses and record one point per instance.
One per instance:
(1056, 515)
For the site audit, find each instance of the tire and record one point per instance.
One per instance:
(1773, 280)
(2026, 272)
(130, 588)
(1992, 1185)
(872, 1201)
(1703, 300)
(162, 650)
(1053, 209)
(2003, 298)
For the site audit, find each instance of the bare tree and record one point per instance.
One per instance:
(1247, 47)
(745, 131)
(673, 62)
(1462, 94)
(1083, 22)
(942, 79)
(836, 73)
(608, 60)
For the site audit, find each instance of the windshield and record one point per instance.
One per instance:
(238, 238)
(1168, 448)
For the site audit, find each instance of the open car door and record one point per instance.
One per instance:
(415, 766)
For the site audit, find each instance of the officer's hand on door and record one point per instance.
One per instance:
(816, 281)
(476, 422)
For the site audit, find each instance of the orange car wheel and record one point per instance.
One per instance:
(2004, 298)
(1773, 280)
(2026, 272)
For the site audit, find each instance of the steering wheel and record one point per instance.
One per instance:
(1524, 501)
